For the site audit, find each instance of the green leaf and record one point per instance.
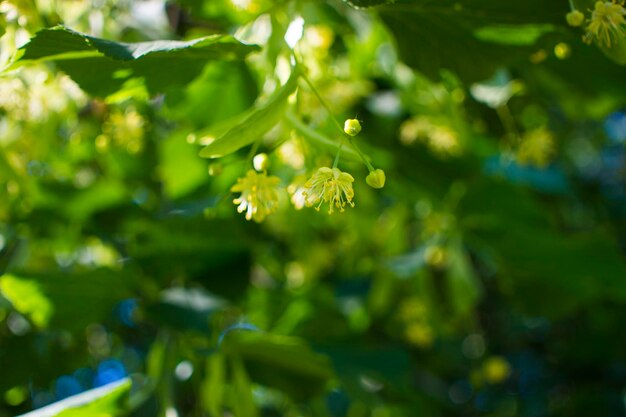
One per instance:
(459, 35)
(174, 153)
(213, 385)
(515, 35)
(555, 274)
(583, 5)
(367, 3)
(102, 67)
(464, 289)
(594, 90)
(616, 52)
(81, 204)
(71, 301)
(283, 362)
(252, 124)
(388, 364)
(196, 246)
(109, 400)
(232, 82)
(243, 403)
(27, 298)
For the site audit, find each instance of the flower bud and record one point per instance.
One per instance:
(215, 169)
(260, 162)
(575, 18)
(376, 179)
(352, 127)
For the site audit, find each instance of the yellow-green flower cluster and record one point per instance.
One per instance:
(537, 148)
(259, 195)
(329, 185)
(607, 23)
(259, 192)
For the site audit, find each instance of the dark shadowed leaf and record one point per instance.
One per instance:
(435, 35)
(71, 300)
(284, 362)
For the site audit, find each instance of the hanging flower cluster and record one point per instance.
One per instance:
(537, 148)
(329, 185)
(607, 23)
(605, 26)
(259, 192)
(259, 195)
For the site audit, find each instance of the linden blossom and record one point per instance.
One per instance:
(259, 195)
(329, 185)
(607, 23)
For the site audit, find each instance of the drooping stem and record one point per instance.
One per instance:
(505, 116)
(322, 102)
(313, 135)
(336, 161)
(344, 135)
(253, 149)
(366, 161)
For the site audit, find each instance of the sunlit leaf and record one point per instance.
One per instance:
(243, 400)
(181, 170)
(252, 124)
(27, 298)
(102, 67)
(516, 35)
(213, 384)
(109, 400)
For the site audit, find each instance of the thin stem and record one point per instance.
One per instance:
(323, 102)
(165, 387)
(336, 161)
(314, 135)
(255, 147)
(368, 164)
(508, 121)
(344, 135)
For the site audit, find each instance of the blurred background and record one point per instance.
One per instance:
(487, 277)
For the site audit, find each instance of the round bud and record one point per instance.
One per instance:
(376, 179)
(352, 127)
(215, 169)
(435, 256)
(260, 162)
(575, 18)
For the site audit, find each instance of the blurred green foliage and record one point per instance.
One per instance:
(486, 277)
